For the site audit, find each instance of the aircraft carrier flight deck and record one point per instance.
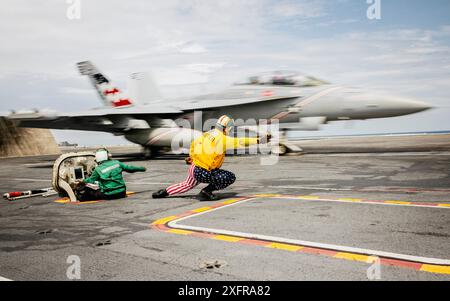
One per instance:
(321, 215)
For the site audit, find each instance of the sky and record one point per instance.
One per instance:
(200, 46)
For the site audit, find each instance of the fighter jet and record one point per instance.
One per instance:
(294, 100)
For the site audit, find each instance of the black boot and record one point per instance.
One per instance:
(208, 196)
(160, 194)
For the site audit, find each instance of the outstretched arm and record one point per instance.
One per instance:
(233, 143)
(131, 168)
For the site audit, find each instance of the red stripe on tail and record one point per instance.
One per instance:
(121, 103)
(113, 91)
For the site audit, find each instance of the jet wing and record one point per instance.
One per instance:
(103, 119)
(132, 111)
(118, 120)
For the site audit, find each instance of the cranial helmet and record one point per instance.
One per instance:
(225, 123)
(101, 155)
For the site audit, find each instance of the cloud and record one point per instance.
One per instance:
(78, 91)
(200, 46)
(336, 22)
(193, 48)
(204, 68)
(299, 9)
(164, 48)
(187, 36)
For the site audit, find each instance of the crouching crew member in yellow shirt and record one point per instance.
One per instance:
(206, 157)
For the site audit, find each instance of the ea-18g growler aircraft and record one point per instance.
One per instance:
(296, 101)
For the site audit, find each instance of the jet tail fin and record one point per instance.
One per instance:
(110, 95)
(143, 88)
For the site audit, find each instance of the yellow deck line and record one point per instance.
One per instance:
(232, 201)
(437, 269)
(180, 231)
(286, 247)
(268, 195)
(227, 238)
(363, 201)
(352, 256)
(398, 202)
(350, 200)
(203, 209)
(165, 220)
(62, 201)
(309, 197)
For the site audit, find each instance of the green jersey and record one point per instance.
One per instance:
(109, 176)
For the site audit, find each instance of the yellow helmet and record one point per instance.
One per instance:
(225, 123)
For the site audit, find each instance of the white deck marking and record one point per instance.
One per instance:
(4, 279)
(174, 224)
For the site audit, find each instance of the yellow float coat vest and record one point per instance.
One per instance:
(208, 151)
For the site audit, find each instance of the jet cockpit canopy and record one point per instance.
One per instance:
(282, 78)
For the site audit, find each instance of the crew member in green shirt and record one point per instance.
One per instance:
(108, 176)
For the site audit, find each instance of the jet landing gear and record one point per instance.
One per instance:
(284, 147)
(279, 149)
(149, 152)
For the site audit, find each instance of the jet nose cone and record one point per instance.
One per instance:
(419, 106)
(395, 106)
(408, 106)
(370, 104)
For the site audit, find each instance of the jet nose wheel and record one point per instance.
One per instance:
(279, 149)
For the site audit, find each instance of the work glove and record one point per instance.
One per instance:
(78, 183)
(188, 160)
(264, 139)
